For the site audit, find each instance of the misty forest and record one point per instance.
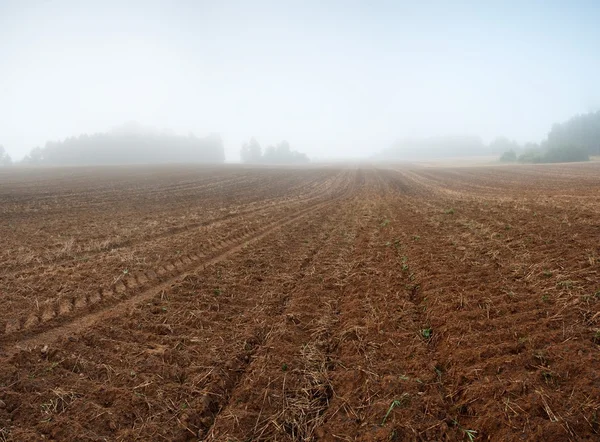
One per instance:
(128, 148)
(574, 140)
(251, 153)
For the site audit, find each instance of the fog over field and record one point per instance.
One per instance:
(330, 80)
(299, 220)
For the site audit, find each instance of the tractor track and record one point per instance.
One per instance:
(267, 205)
(36, 329)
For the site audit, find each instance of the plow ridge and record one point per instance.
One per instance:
(376, 302)
(186, 229)
(132, 288)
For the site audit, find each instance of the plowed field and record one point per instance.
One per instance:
(360, 303)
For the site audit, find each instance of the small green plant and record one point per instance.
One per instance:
(507, 227)
(449, 211)
(541, 356)
(217, 292)
(471, 434)
(596, 337)
(385, 222)
(545, 298)
(395, 403)
(284, 367)
(405, 264)
(413, 288)
(547, 273)
(52, 367)
(566, 284)
(427, 332)
(523, 340)
(439, 371)
(416, 237)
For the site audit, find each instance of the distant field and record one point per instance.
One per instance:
(468, 161)
(331, 303)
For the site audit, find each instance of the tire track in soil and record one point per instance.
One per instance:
(285, 390)
(282, 311)
(382, 356)
(245, 323)
(224, 387)
(26, 269)
(336, 386)
(51, 312)
(173, 231)
(371, 345)
(43, 337)
(227, 395)
(440, 413)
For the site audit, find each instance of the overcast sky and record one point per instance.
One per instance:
(334, 78)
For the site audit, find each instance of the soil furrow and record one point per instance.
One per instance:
(84, 321)
(374, 302)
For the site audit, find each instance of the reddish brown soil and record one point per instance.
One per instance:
(185, 303)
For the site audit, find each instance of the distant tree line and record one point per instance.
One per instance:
(542, 153)
(120, 147)
(251, 153)
(574, 140)
(5, 159)
(581, 131)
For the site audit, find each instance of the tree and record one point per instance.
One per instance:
(510, 156)
(581, 131)
(284, 149)
(531, 156)
(531, 146)
(279, 154)
(34, 157)
(251, 152)
(128, 147)
(566, 154)
(5, 159)
(283, 154)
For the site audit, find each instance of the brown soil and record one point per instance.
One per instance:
(185, 303)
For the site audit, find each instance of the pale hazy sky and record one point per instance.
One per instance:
(334, 78)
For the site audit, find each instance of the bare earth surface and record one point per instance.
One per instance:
(359, 303)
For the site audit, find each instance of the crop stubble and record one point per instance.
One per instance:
(312, 304)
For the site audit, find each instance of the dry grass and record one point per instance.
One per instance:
(60, 402)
